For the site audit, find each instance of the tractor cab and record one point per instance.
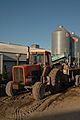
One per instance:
(41, 57)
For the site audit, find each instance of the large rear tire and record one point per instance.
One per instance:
(38, 90)
(9, 88)
(52, 75)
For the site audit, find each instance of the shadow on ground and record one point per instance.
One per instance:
(61, 116)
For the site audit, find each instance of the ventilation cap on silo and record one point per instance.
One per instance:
(73, 33)
(60, 26)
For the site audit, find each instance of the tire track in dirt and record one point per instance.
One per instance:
(43, 105)
(8, 105)
(39, 106)
(23, 106)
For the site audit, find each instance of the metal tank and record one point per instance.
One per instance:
(76, 41)
(61, 42)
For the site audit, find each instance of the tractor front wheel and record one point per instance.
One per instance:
(38, 90)
(9, 88)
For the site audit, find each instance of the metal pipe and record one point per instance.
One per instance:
(1, 62)
(78, 59)
(18, 56)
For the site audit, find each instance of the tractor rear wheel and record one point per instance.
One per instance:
(38, 90)
(9, 88)
(52, 75)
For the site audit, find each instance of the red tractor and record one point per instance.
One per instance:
(32, 75)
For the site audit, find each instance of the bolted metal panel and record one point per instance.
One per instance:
(60, 42)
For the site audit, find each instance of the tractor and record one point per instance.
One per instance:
(31, 76)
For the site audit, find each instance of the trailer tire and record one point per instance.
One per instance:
(9, 88)
(38, 90)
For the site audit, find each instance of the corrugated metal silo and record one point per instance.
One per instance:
(61, 41)
(76, 40)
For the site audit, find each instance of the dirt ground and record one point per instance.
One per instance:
(61, 106)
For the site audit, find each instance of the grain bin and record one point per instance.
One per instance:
(76, 40)
(61, 42)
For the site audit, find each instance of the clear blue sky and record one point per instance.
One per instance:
(33, 21)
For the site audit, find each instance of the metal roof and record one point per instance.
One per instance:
(13, 48)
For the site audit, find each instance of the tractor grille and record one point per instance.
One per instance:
(18, 75)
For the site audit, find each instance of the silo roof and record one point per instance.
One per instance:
(61, 28)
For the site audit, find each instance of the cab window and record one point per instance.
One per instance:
(37, 58)
(34, 58)
(40, 58)
(48, 59)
